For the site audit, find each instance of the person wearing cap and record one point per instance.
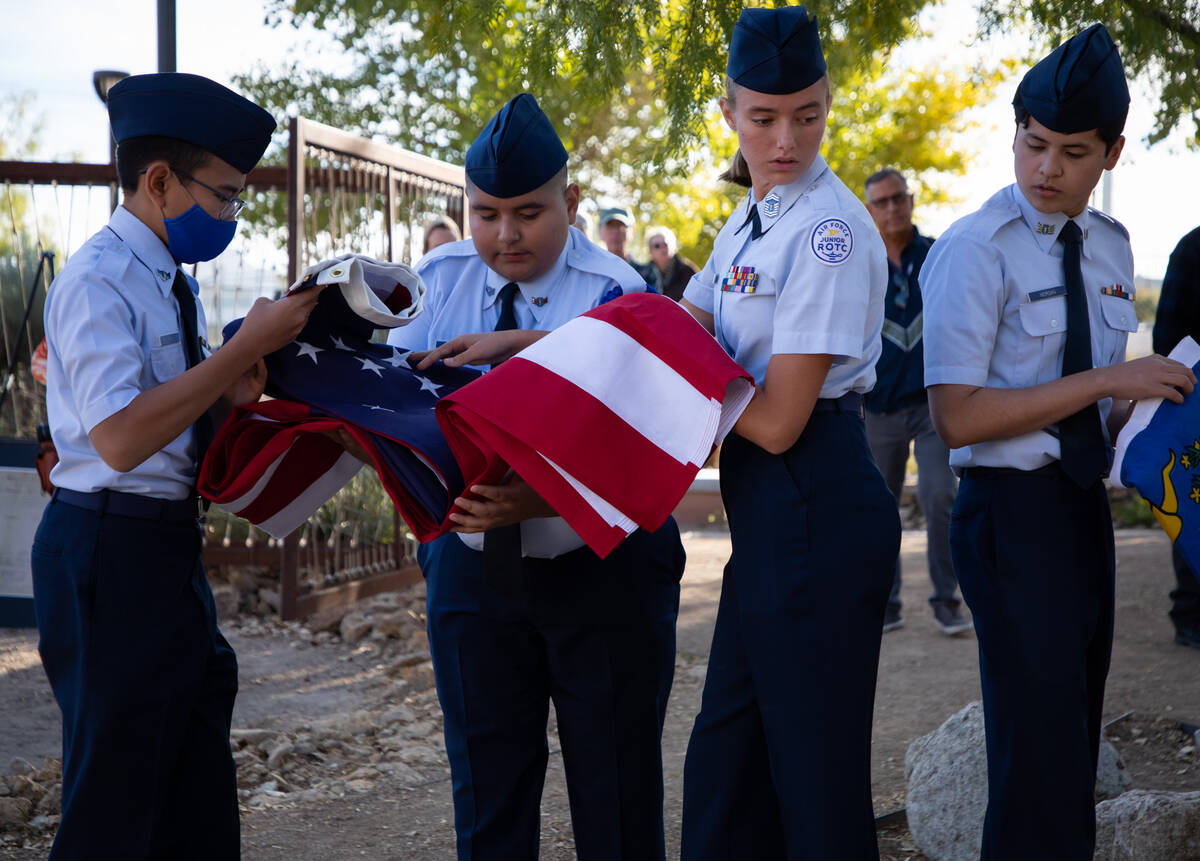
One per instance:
(521, 613)
(128, 630)
(671, 271)
(1028, 304)
(897, 409)
(778, 764)
(615, 224)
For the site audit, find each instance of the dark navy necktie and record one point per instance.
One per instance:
(1084, 453)
(756, 229)
(502, 545)
(508, 314)
(182, 290)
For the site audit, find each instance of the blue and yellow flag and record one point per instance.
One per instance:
(1158, 454)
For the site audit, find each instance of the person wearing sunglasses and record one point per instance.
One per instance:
(671, 272)
(897, 409)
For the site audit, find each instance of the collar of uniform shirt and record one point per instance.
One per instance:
(146, 247)
(1045, 241)
(788, 194)
(530, 290)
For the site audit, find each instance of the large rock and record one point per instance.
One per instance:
(1145, 825)
(327, 618)
(947, 787)
(354, 627)
(1112, 777)
(14, 811)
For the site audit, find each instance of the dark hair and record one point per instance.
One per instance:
(133, 154)
(881, 175)
(1109, 133)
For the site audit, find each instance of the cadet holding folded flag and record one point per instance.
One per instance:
(779, 760)
(1028, 303)
(520, 612)
(128, 630)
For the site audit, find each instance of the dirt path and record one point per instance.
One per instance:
(293, 686)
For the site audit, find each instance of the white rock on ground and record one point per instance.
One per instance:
(947, 785)
(1145, 825)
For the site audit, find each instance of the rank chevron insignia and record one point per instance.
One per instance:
(905, 337)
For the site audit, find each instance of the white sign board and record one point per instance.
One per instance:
(21, 505)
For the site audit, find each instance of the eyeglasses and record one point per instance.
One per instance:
(897, 199)
(231, 207)
(654, 245)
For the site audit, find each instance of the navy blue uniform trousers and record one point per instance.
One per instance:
(1035, 561)
(146, 683)
(596, 637)
(778, 765)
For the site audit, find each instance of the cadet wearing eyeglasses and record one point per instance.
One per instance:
(128, 630)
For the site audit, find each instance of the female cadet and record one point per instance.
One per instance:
(778, 763)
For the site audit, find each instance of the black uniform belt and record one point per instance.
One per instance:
(1052, 468)
(851, 402)
(132, 504)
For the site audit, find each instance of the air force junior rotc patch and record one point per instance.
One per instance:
(832, 241)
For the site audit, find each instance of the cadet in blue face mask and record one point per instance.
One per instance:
(128, 630)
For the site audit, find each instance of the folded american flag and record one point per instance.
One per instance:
(1158, 453)
(608, 418)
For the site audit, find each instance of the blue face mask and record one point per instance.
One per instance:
(196, 236)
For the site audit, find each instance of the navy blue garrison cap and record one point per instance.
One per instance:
(1080, 86)
(193, 109)
(517, 151)
(775, 51)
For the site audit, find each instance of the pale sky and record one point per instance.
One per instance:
(50, 49)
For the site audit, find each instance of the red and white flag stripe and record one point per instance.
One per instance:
(608, 418)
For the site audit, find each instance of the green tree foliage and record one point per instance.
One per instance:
(1159, 40)
(630, 85)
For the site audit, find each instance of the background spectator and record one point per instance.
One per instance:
(670, 272)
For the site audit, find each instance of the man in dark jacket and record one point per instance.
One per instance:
(897, 411)
(670, 273)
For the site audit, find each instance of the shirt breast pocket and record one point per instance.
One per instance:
(167, 362)
(748, 311)
(1044, 321)
(1120, 319)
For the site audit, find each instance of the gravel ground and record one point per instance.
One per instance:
(338, 739)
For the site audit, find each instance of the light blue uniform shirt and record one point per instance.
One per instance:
(996, 309)
(112, 332)
(814, 283)
(462, 296)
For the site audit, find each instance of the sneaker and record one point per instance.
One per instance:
(892, 620)
(950, 620)
(1183, 636)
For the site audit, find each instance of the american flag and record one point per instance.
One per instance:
(1158, 453)
(271, 463)
(608, 418)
